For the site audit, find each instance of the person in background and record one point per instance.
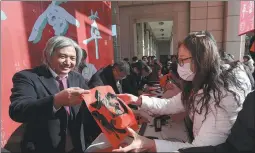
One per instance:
(174, 63)
(126, 59)
(155, 61)
(135, 82)
(144, 58)
(227, 60)
(149, 60)
(166, 69)
(248, 61)
(212, 97)
(134, 59)
(241, 139)
(111, 75)
(232, 56)
(252, 51)
(172, 77)
(48, 100)
(153, 58)
(86, 69)
(252, 47)
(174, 59)
(156, 70)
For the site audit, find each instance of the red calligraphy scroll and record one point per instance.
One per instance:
(111, 114)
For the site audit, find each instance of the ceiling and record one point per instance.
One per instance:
(157, 29)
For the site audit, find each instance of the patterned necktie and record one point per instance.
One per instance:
(63, 85)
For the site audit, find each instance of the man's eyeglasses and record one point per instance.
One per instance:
(181, 61)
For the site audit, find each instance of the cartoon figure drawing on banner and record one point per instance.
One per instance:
(55, 16)
(95, 33)
(3, 15)
(115, 109)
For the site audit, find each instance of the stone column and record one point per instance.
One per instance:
(154, 48)
(157, 51)
(233, 43)
(116, 39)
(140, 40)
(146, 41)
(151, 43)
(148, 45)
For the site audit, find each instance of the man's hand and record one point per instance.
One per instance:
(170, 86)
(69, 97)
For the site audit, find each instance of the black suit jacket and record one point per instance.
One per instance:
(32, 103)
(133, 83)
(104, 77)
(242, 136)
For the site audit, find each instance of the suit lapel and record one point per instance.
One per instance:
(47, 80)
(50, 84)
(73, 82)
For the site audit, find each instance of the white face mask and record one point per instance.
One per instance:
(185, 73)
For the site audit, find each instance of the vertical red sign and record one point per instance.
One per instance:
(246, 23)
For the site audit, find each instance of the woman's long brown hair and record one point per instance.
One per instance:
(209, 77)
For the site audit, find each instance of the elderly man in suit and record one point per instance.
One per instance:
(48, 100)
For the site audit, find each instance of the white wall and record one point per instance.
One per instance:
(164, 47)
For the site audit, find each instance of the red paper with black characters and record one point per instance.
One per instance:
(111, 114)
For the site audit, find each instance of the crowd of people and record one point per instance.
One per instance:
(213, 90)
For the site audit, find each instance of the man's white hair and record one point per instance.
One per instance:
(58, 42)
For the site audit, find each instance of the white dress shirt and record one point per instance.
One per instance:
(69, 145)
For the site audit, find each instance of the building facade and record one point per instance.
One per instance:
(135, 37)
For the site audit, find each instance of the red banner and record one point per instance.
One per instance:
(22, 46)
(111, 114)
(246, 23)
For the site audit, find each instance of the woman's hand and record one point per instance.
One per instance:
(169, 86)
(141, 117)
(130, 99)
(139, 144)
